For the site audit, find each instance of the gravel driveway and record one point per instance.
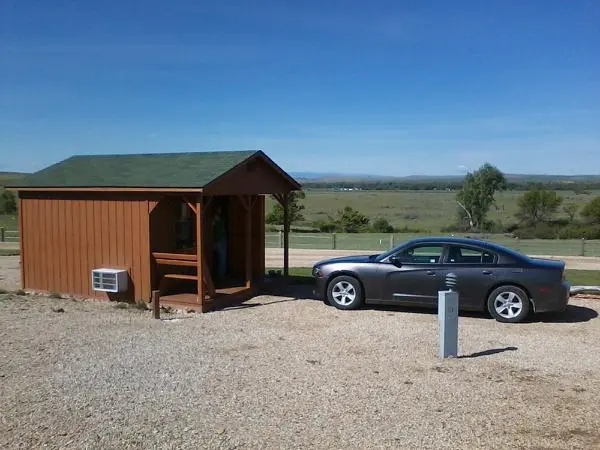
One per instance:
(290, 372)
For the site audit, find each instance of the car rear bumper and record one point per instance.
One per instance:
(555, 301)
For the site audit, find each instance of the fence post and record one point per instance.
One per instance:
(156, 304)
(391, 241)
(582, 246)
(280, 239)
(333, 241)
(2, 236)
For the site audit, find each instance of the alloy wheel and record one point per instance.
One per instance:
(508, 305)
(343, 293)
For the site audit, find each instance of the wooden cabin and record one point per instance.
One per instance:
(118, 227)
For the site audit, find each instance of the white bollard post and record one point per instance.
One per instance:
(448, 318)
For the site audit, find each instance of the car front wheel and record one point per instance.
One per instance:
(345, 292)
(508, 304)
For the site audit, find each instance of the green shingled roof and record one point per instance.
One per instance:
(158, 170)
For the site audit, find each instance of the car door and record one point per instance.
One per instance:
(413, 275)
(475, 269)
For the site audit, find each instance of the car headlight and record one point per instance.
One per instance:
(317, 272)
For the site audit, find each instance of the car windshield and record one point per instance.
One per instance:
(492, 245)
(384, 255)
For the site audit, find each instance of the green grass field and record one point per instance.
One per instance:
(9, 222)
(9, 177)
(427, 210)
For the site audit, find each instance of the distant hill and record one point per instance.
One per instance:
(7, 177)
(315, 177)
(329, 176)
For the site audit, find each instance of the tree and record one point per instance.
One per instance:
(295, 208)
(326, 226)
(8, 202)
(591, 211)
(382, 225)
(349, 220)
(538, 205)
(477, 195)
(570, 210)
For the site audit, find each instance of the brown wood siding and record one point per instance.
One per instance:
(65, 235)
(253, 178)
(22, 252)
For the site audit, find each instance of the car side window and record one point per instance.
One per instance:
(421, 254)
(467, 255)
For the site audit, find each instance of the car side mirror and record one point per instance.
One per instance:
(396, 261)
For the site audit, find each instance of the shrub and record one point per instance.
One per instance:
(352, 221)
(539, 231)
(8, 202)
(591, 211)
(326, 226)
(455, 228)
(382, 225)
(407, 229)
(579, 231)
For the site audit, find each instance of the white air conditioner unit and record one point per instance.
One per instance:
(109, 280)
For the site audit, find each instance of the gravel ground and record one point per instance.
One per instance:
(10, 273)
(290, 372)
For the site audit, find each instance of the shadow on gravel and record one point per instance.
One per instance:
(492, 351)
(424, 310)
(300, 291)
(573, 314)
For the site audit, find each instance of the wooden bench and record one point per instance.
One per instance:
(183, 258)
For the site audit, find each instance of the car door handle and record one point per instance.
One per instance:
(431, 272)
(486, 272)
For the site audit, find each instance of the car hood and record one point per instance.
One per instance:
(348, 259)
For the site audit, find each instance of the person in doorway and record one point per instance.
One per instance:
(220, 243)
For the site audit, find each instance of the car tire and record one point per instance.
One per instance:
(345, 292)
(508, 304)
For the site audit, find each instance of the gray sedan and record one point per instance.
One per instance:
(508, 284)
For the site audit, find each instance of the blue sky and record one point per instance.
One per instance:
(382, 87)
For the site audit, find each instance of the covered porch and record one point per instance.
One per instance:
(207, 250)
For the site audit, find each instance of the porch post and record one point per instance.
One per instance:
(286, 235)
(200, 251)
(249, 242)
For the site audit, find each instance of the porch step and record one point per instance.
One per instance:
(180, 276)
(175, 262)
